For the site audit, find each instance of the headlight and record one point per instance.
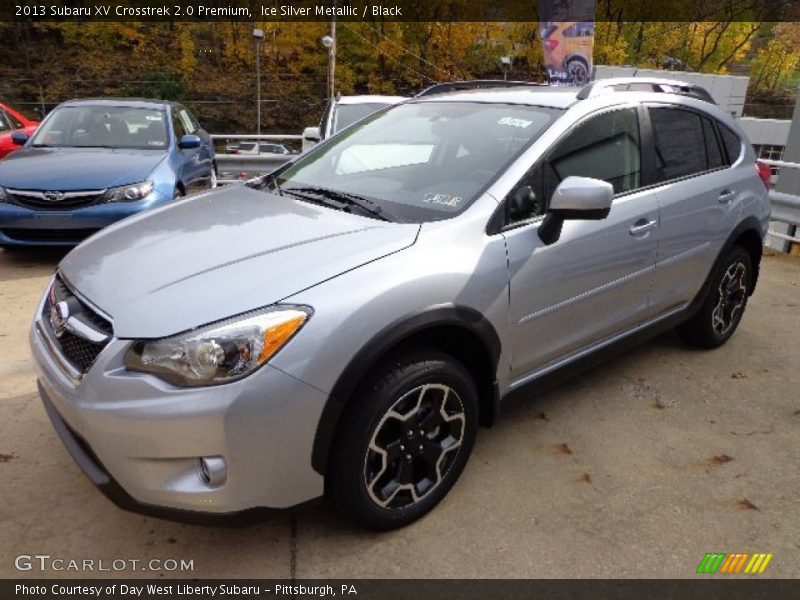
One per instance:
(130, 193)
(221, 352)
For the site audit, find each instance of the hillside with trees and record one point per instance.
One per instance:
(211, 66)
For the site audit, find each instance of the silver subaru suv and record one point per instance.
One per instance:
(342, 326)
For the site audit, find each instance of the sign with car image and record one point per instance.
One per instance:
(567, 45)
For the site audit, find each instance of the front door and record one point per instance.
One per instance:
(594, 281)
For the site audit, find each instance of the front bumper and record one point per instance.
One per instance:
(140, 440)
(22, 226)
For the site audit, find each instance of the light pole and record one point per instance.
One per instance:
(329, 41)
(258, 34)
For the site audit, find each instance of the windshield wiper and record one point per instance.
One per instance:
(344, 199)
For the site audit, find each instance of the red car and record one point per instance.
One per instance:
(10, 122)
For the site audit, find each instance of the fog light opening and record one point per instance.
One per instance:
(213, 470)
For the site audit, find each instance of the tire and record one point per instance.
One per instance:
(578, 71)
(213, 180)
(395, 455)
(720, 314)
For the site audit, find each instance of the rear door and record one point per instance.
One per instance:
(594, 281)
(699, 200)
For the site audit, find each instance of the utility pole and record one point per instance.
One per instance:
(332, 61)
(258, 34)
(329, 41)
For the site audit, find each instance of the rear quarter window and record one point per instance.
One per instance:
(713, 150)
(732, 143)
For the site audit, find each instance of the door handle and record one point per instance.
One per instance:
(642, 226)
(725, 196)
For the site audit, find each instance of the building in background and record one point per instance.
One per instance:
(728, 90)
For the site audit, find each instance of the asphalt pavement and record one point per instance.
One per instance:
(636, 468)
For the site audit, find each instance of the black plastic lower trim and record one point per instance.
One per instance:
(436, 316)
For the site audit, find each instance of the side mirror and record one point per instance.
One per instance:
(576, 198)
(522, 203)
(188, 142)
(311, 136)
(19, 138)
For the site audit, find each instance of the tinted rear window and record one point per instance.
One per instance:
(679, 143)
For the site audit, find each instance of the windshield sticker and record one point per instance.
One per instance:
(442, 200)
(153, 117)
(521, 123)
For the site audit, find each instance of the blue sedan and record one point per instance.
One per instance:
(93, 162)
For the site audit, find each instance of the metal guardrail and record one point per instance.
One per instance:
(785, 207)
(263, 137)
(251, 163)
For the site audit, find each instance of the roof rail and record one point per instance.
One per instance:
(644, 84)
(458, 86)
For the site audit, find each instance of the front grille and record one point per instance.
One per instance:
(80, 352)
(46, 200)
(47, 235)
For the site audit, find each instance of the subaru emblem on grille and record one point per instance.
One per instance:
(53, 196)
(59, 314)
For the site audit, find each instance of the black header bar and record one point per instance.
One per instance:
(265, 11)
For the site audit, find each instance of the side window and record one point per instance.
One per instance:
(713, 151)
(5, 125)
(603, 147)
(15, 123)
(186, 119)
(732, 143)
(177, 124)
(680, 145)
(195, 122)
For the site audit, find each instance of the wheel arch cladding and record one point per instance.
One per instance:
(751, 241)
(461, 332)
(747, 234)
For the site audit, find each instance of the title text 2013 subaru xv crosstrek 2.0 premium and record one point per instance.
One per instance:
(343, 326)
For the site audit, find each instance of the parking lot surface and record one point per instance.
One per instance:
(635, 468)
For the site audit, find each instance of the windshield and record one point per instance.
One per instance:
(347, 114)
(105, 127)
(422, 161)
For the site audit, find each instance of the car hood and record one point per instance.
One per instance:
(65, 169)
(218, 255)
